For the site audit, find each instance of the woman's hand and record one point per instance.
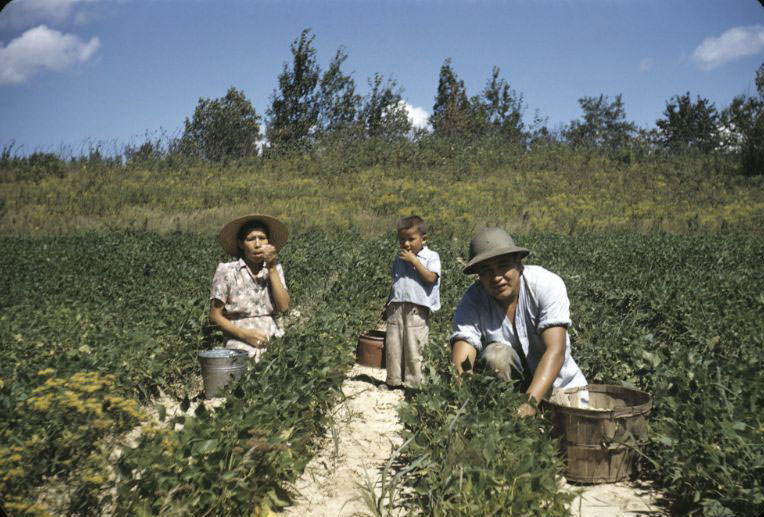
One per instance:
(269, 254)
(255, 337)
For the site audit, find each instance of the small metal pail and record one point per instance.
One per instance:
(219, 367)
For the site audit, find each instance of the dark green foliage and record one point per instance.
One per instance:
(221, 129)
(295, 106)
(136, 305)
(495, 114)
(452, 114)
(738, 121)
(148, 152)
(746, 116)
(752, 152)
(501, 108)
(689, 125)
(309, 107)
(338, 100)
(604, 124)
(34, 167)
(469, 455)
(383, 115)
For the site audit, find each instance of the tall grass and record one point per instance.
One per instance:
(366, 184)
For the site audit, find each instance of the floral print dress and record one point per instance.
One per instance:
(248, 302)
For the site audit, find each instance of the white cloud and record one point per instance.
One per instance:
(731, 45)
(418, 116)
(646, 65)
(42, 48)
(20, 14)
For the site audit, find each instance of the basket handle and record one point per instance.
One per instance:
(627, 411)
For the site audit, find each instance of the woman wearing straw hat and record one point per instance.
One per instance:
(248, 291)
(513, 320)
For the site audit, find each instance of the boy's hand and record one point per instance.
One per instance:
(407, 256)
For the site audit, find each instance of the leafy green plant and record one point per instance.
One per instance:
(676, 316)
(69, 427)
(220, 129)
(474, 457)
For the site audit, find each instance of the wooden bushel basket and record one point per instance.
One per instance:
(371, 349)
(597, 441)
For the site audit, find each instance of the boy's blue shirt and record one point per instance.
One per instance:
(408, 285)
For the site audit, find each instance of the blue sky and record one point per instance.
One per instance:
(74, 73)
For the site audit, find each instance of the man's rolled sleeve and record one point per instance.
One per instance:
(466, 324)
(554, 306)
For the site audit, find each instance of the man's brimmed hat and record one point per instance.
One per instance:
(490, 243)
(277, 232)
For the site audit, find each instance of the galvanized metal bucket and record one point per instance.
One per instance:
(221, 366)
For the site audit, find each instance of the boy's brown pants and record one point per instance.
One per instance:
(407, 333)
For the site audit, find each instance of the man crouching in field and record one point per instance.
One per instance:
(513, 320)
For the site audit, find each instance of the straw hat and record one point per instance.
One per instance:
(490, 243)
(277, 232)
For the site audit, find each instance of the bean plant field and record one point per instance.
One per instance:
(96, 324)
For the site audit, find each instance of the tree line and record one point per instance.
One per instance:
(311, 109)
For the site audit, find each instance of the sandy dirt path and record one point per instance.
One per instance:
(365, 433)
(615, 500)
(353, 453)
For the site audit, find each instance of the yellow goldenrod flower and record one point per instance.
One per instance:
(93, 478)
(102, 423)
(40, 403)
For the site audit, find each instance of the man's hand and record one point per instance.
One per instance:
(526, 410)
(463, 358)
(458, 376)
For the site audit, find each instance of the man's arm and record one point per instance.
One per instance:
(460, 351)
(548, 367)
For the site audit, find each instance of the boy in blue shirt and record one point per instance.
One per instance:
(414, 295)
